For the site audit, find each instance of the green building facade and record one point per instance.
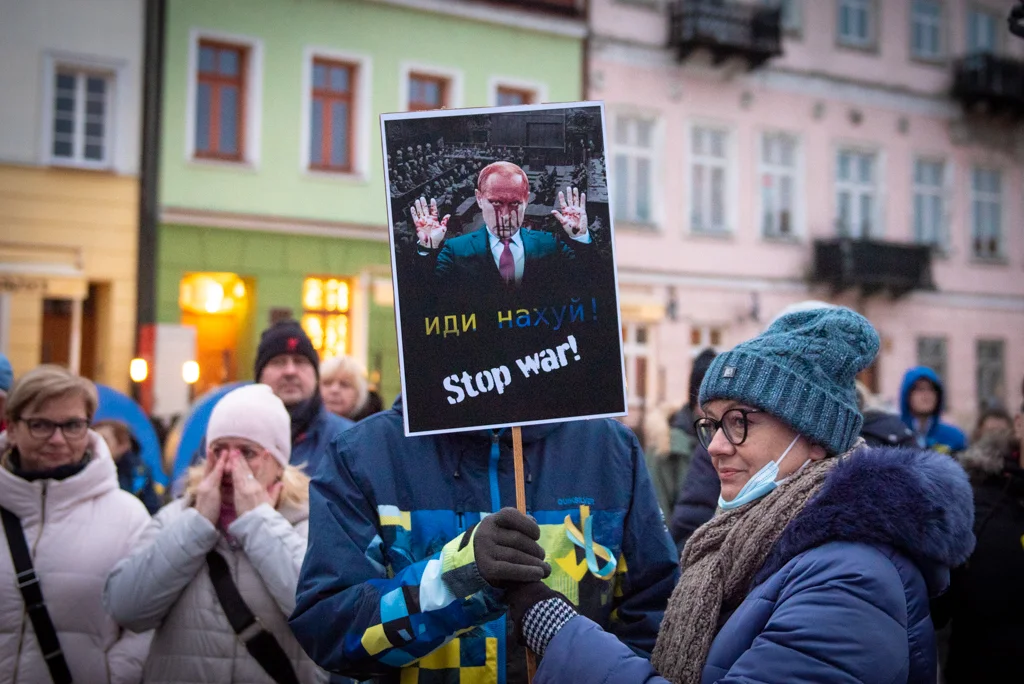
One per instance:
(271, 181)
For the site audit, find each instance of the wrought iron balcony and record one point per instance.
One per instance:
(992, 82)
(566, 8)
(751, 32)
(872, 266)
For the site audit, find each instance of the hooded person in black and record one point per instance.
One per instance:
(986, 598)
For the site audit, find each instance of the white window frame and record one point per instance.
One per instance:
(633, 152)
(797, 172)
(631, 351)
(942, 191)
(704, 331)
(538, 88)
(453, 75)
(253, 97)
(1000, 199)
(1000, 25)
(728, 194)
(868, 42)
(362, 112)
(939, 27)
(859, 190)
(115, 73)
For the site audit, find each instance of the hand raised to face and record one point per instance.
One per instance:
(430, 230)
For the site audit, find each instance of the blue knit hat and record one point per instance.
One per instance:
(6, 374)
(801, 370)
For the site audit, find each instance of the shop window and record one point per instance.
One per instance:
(326, 306)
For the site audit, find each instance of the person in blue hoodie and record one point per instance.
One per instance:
(922, 401)
(413, 545)
(822, 558)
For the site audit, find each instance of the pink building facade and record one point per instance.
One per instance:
(724, 177)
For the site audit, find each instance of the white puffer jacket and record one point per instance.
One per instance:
(165, 584)
(77, 529)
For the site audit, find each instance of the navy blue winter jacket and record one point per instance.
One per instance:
(697, 499)
(843, 596)
(937, 435)
(387, 516)
(311, 444)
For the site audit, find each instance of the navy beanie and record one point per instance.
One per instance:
(801, 370)
(285, 337)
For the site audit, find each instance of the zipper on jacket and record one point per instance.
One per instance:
(24, 611)
(492, 473)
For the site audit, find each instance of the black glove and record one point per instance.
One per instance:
(537, 618)
(506, 550)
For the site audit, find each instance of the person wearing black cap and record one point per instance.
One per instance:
(287, 362)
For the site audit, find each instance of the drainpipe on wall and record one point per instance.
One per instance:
(152, 91)
(586, 50)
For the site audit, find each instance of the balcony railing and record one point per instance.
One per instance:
(751, 32)
(567, 8)
(990, 81)
(872, 266)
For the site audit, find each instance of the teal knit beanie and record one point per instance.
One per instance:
(801, 370)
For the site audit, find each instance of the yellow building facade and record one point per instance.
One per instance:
(68, 266)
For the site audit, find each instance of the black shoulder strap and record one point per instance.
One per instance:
(32, 594)
(260, 643)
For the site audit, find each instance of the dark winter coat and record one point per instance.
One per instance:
(843, 595)
(134, 477)
(987, 597)
(886, 429)
(697, 499)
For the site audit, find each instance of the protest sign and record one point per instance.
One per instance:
(503, 264)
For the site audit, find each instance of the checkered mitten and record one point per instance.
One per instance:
(538, 612)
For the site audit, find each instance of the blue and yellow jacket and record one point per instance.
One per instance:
(386, 588)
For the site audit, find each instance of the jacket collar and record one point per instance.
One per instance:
(919, 503)
(25, 499)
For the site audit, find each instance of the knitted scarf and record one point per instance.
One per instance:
(719, 564)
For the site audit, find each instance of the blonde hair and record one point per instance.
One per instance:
(347, 365)
(47, 382)
(294, 490)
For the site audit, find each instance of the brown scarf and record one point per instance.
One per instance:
(719, 563)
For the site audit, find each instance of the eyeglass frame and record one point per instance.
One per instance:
(52, 427)
(718, 426)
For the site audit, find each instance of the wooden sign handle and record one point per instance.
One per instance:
(517, 460)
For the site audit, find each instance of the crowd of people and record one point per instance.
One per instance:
(812, 535)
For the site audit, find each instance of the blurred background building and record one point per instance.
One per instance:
(223, 161)
(863, 152)
(272, 197)
(69, 190)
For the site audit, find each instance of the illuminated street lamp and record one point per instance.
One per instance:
(138, 370)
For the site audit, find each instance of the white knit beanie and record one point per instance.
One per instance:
(253, 412)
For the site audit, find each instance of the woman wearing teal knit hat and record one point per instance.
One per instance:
(822, 557)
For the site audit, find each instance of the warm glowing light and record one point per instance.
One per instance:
(326, 303)
(138, 370)
(190, 372)
(212, 293)
(313, 294)
(213, 296)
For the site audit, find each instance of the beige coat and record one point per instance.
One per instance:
(77, 529)
(165, 585)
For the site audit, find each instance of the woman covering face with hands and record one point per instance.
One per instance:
(243, 516)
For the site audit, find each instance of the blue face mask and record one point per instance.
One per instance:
(762, 482)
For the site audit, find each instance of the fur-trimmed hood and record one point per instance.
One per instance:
(919, 503)
(991, 454)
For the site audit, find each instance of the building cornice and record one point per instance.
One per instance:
(772, 77)
(493, 14)
(740, 283)
(272, 224)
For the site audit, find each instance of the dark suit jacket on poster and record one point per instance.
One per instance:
(465, 269)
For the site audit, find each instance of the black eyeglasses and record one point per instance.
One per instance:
(733, 423)
(41, 428)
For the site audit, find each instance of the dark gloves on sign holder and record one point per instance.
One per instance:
(506, 549)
